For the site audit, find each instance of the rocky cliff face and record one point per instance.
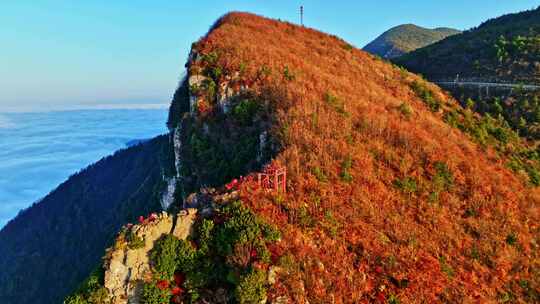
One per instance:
(214, 129)
(127, 263)
(184, 258)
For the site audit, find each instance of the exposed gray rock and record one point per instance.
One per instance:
(273, 273)
(167, 198)
(194, 81)
(263, 139)
(198, 200)
(225, 96)
(184, 223)
(192, 201)
(127, 269)
(177, 145)
(207, 212)
(193, 57)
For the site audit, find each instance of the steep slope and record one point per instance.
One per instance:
(394, 192)
(501, 49)
(405, 38)
(49, 248)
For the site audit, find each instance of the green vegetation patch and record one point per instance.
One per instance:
(345, 169)
(445, 267)
(336, 103)
(228, 251)
(91, 291)
(488, 131)
(319, 174)
(406, 185)
(134, 241)
(244, 112)
(405, 110)
(443, 179)
(427, 96)
(219, 159)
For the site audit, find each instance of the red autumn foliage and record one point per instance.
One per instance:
(232, 185)
(381, 297)
(163, 284)
(177, 291)
(151, 218)
(348, 231)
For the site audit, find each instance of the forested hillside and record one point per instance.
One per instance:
(49, 248)
(405, 38)
(395, 193)
(501, 49)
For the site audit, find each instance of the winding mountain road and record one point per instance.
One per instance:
(528, 87)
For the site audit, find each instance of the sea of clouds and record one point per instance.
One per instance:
(5, 123)
(39, 150)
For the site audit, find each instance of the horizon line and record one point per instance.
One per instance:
(83, 107)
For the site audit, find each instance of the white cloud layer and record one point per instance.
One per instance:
(39, 150)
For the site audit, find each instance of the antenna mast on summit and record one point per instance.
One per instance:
(302, 15)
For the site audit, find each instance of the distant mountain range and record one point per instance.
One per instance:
(406, 38)
(506, 48)
(501, 50)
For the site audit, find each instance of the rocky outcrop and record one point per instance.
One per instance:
(177, 145)
(224, 97)
(200, 199)
(184, 223)
(127, 264)
(195, 82)
(263, 140)
(167, 197)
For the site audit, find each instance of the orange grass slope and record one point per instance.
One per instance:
(386, 202)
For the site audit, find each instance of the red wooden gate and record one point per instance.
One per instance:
(273, 178)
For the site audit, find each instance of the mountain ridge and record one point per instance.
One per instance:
(500, 49)
(405, 38)
(394, 192)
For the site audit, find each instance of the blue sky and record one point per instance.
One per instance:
(63, 53)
